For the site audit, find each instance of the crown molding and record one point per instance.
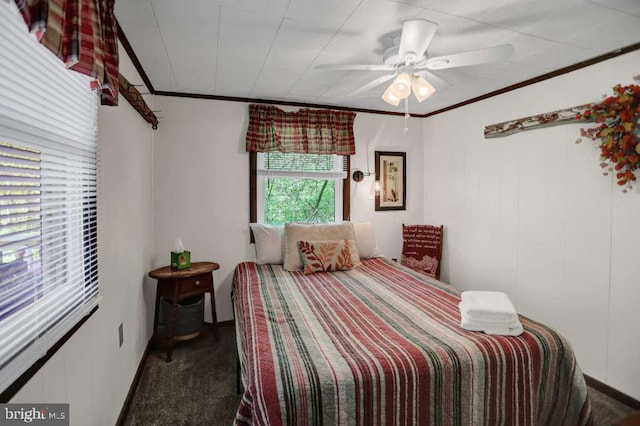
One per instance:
(134, 58)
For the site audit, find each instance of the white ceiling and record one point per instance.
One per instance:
(267, 49)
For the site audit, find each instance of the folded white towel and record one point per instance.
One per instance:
(503, 328)
(482, 322)
(488, 305)
(501, 331)
(491, 319)
(489, 311)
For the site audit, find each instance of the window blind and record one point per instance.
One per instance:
(48, 230)
(315, 166)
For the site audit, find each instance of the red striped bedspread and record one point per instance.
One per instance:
(382, 345)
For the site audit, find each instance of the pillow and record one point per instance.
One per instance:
(294, 232)
(365, 240)
(268, 243)
(327, 256)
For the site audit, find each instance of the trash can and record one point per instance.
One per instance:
(189, 319)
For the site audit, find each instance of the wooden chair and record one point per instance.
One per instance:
(422, 248)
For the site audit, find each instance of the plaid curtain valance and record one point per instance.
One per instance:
(307, 131)
(82, 33)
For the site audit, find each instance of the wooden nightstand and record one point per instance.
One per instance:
(177, 285)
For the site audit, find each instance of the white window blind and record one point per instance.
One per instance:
(48, 230)
(316, 166)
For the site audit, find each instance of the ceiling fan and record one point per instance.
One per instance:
(410, 64)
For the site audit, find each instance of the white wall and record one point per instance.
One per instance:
(201, 183)
(374, 132)
(532, 215)
(90, 372)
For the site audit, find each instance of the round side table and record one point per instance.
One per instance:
(177, 285)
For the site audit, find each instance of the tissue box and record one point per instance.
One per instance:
(180, 260)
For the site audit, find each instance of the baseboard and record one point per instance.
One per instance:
(134, 385)
(613, 393)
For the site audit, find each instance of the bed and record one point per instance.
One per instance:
(381, 344)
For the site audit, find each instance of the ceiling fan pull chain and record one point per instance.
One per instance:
(406, 114)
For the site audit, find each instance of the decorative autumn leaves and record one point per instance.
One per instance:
(618, 134)
(327, 256)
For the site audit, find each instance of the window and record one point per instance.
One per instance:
(21, 223)
(293, 187)
(48, 235)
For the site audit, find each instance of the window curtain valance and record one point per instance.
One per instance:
(82, 33)
(307, 131)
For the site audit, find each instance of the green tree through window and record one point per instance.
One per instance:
(299, 200)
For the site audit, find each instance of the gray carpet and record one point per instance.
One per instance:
(199, 387)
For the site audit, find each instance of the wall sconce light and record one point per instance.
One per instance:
(358, 175)
(375, 188)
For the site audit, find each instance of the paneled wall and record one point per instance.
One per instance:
(532, 215)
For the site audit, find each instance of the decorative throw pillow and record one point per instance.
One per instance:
(365, 240)
(327, 256)
(294, 232)
(268, 243)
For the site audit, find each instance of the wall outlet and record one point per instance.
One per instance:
(120, 335)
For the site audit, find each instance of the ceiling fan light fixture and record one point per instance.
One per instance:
(401, 86)
(390, 98)
(421, 88)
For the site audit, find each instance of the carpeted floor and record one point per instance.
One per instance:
(199, 387)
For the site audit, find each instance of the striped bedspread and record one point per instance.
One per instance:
(382, 345)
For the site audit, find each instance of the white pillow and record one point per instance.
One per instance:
(294, 232)
(365, 240)
(268, 243)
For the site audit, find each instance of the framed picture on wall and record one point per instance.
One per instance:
(391, 176)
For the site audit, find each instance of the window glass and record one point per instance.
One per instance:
(300, 188)
(299, 200)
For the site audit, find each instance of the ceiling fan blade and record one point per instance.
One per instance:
(436, 81)
(361, 67)
(473, 57)
(416, 36)
(372, 84)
